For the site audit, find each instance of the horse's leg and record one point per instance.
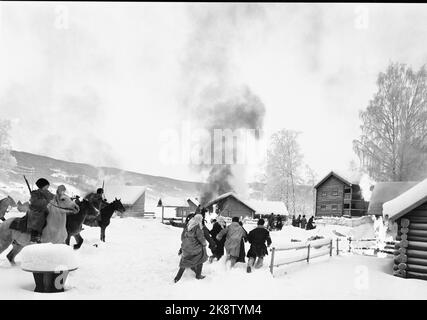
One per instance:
(5, 236)
(13, 253)
(67, 241)
(103, 234)
(79, 240)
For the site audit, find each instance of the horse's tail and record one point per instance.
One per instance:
(5, 234)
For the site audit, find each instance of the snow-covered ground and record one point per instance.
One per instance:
(139, 261)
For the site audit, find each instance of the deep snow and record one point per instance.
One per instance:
(139, 261)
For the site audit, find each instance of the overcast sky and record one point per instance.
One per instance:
(101, 82)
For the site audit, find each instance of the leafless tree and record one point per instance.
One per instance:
(7, 161)
(393, 143)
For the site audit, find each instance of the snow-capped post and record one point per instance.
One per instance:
(50, 265)
(272, 260)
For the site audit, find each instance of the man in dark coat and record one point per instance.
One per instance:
(271, 221)
(257, 238)
(38, 211)
(219, 250)
(298, 221)
(303, 222)
(310, 224)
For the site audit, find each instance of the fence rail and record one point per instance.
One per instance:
(303, 255)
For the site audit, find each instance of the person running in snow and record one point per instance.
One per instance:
(38, 211)
(257, 238)
(217, 227)
(193, 245)
(233, 236)
(303, 222)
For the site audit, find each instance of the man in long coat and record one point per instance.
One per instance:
(38, 211)
(193, 245)
(234, 234)
(218, 226)
(257, 238)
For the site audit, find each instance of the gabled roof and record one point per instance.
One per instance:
(172, 202)
(194, 201)
(407, 201)
(347, 178)
(227, 195)
(127, 194)
(267, 207)
(386, 191)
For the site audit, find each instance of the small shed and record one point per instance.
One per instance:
(264, 208)
(339, 194)
(409, 212)
(132, 198)
(182, 206)
(386, 191)
(229, 205)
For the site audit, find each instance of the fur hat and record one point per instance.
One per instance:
(99, 191)
(42, 182)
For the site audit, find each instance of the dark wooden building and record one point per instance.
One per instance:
(409, 212)
(229, 205)
(337, 195)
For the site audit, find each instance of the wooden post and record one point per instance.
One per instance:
(308, 253)
(338, 250)
(272, 261)
(330, 252)
(349, 244)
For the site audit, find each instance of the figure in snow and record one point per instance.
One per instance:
(233, 236)
(303, 222)
(258, 250)
(218, 226)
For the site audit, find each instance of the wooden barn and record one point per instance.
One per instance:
(339, 195)
(132, 197)
(409, 212)
(229, 205)
(386, 191)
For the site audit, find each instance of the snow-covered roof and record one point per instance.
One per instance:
(386, 191)
(127, 194)
(173, 202)
(194, 200)
(267, 207)
(347, 177)
(226, 195)
(407, 201)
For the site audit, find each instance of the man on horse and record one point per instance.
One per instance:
(97, 200)
(38, 212)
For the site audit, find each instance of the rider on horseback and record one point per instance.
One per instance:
(38, 212)
(97, 200)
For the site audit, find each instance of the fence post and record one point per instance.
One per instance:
(331, 248)
(272, 260)
(308, 253)
(338, 250)
(349, 244)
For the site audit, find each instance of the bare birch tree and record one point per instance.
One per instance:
(393, 143)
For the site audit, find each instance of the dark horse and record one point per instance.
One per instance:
(103, 220)
(75, 222)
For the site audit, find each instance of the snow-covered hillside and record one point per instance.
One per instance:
(139, 261)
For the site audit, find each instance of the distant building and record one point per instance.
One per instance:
(340, 195)
(386, 191)
(264, 208)
(229, 205)
(183, 206)
(132, 198)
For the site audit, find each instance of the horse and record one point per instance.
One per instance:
(103, 221)
(23, 207)
(4, 205)
(75, 222)
(55, 230)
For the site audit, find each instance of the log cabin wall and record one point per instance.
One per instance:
(230, 207)
(330, 197)
(410, 259)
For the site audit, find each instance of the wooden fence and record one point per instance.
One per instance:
(304, 252)
(357, 246)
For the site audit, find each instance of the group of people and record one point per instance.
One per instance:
(303, 223)
(39, 199)
(275, 223)
(195, 237)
